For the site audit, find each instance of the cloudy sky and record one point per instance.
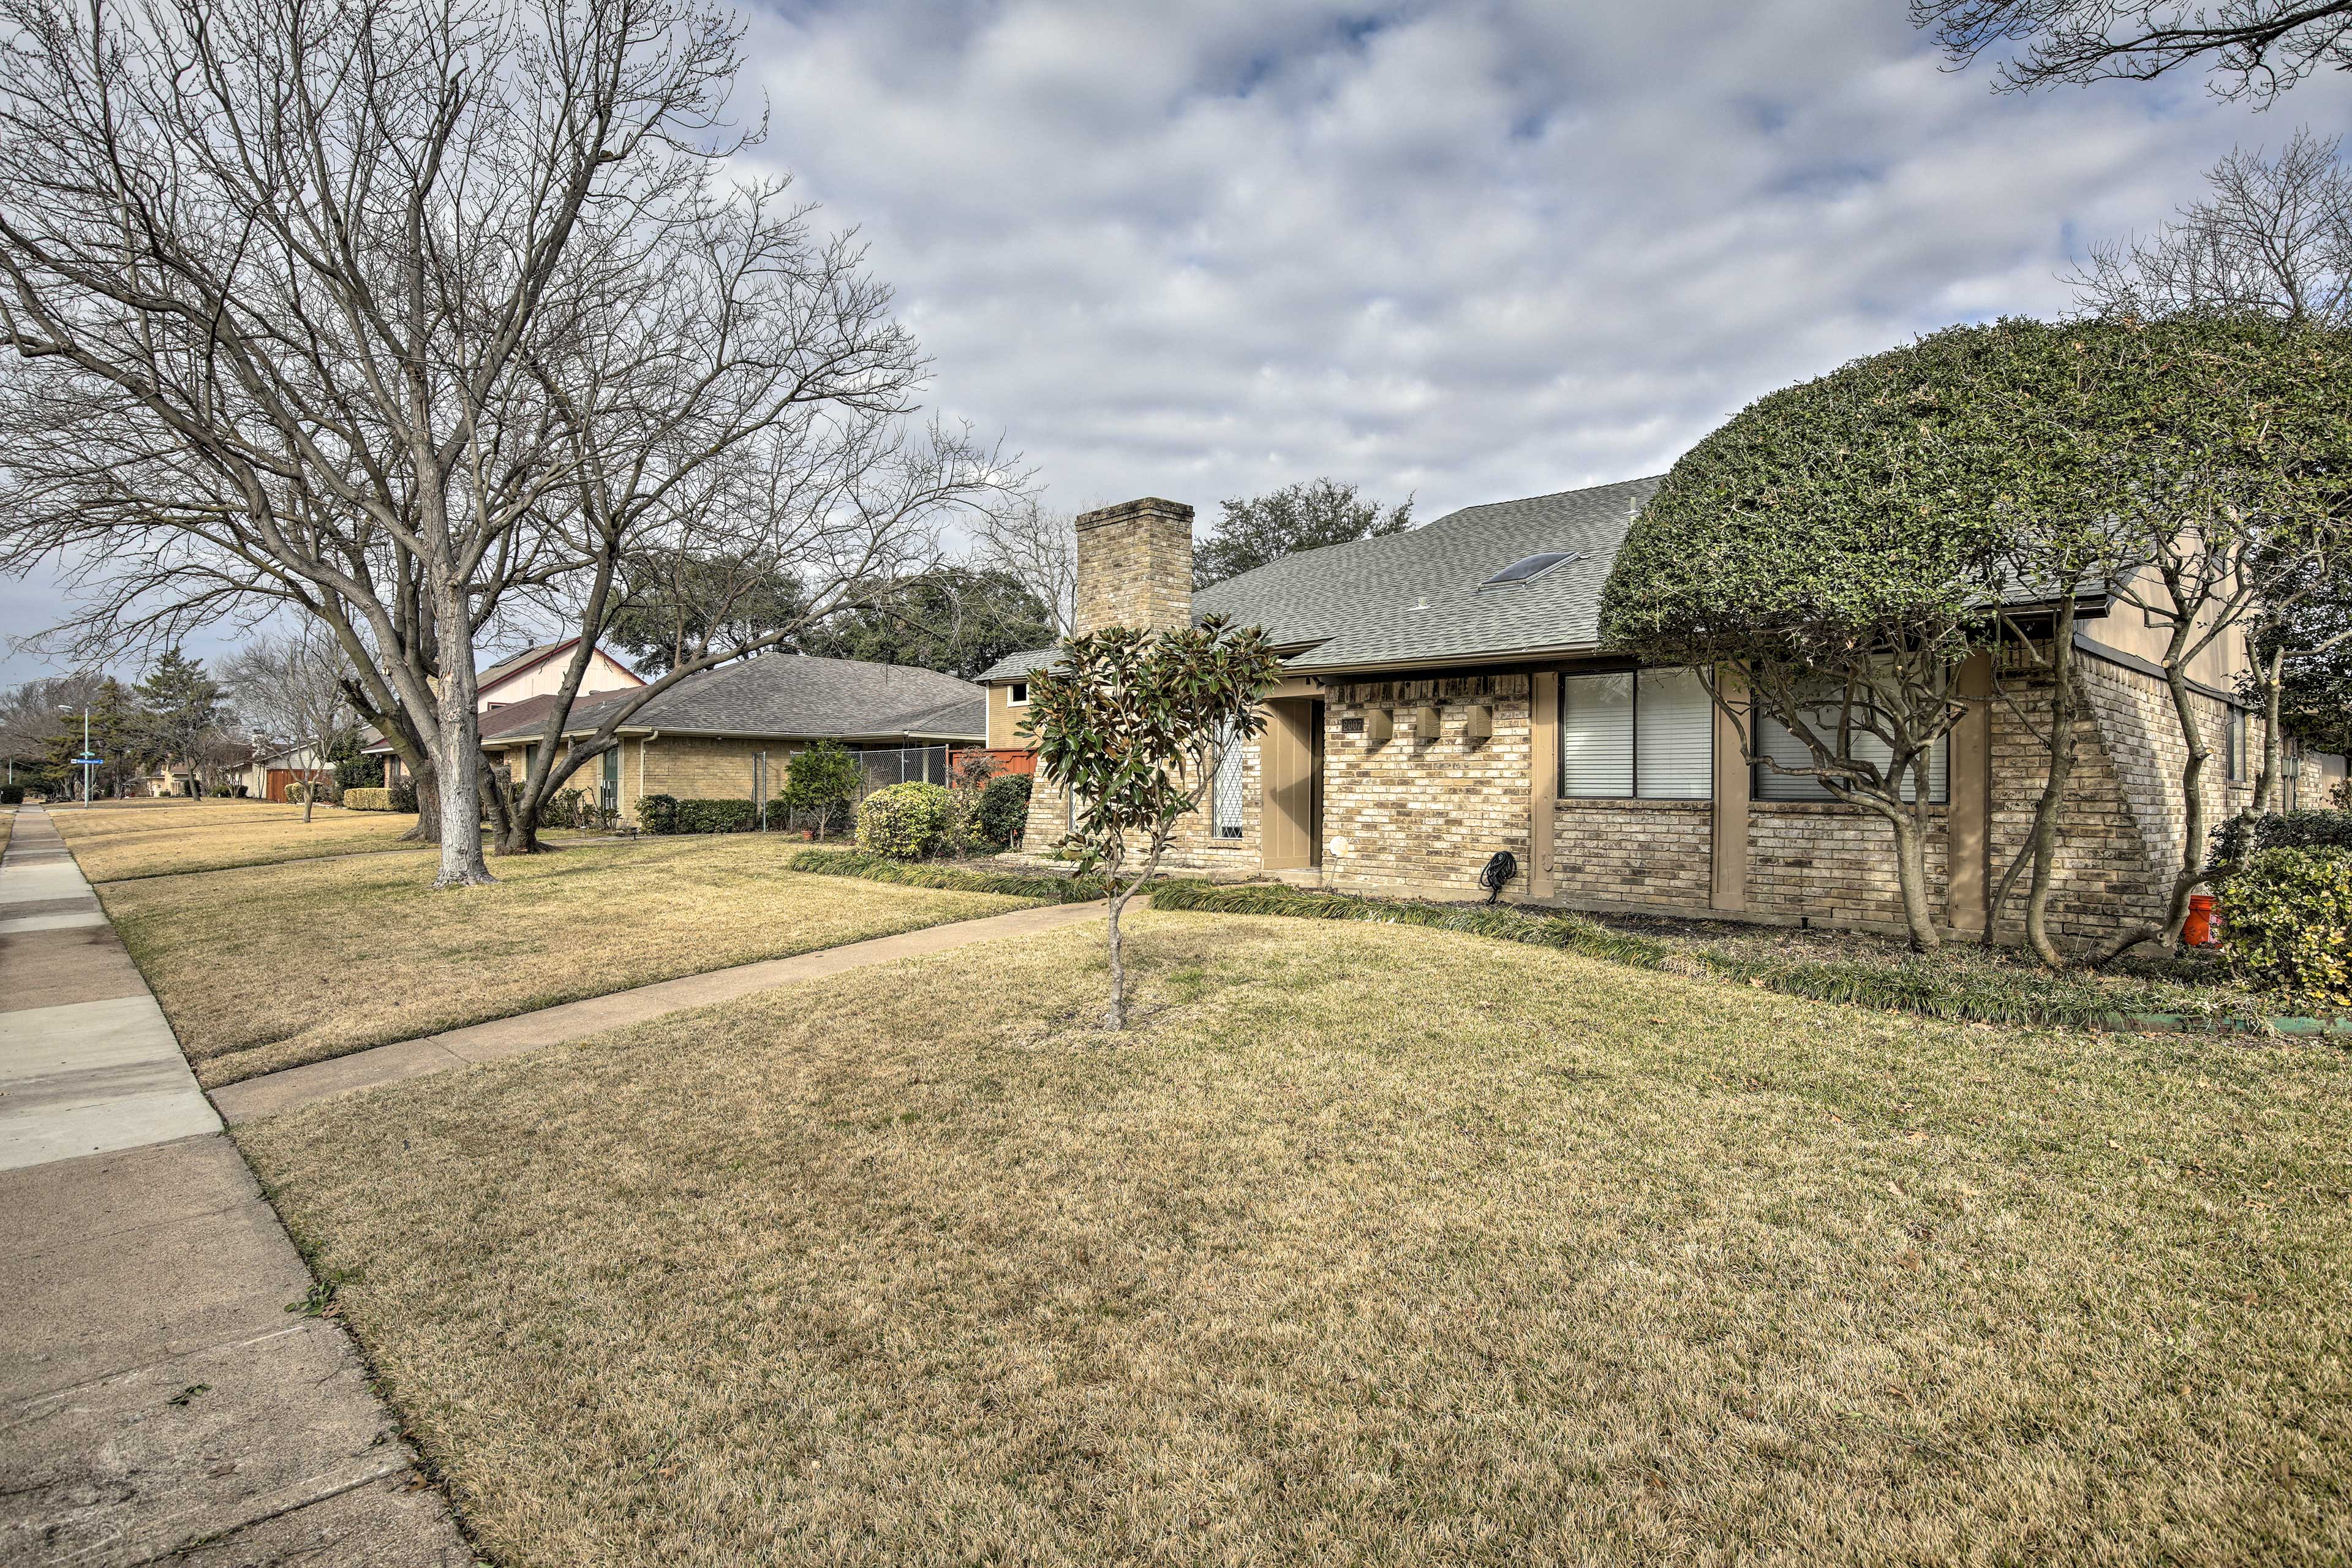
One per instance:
(1464, 251)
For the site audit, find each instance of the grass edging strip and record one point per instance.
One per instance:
(1927, 996)
(948, 879)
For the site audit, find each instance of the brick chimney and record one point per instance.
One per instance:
(1135, 566)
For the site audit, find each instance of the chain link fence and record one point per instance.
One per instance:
(909, 764)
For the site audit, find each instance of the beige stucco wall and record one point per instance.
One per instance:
(603, 674)
(1005, 721)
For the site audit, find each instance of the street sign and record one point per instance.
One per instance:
(87, 762)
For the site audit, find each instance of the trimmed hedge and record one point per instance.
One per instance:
(2286, 924)
(734, 815)
(365, 799)
(12, 794)
(658, 813)
(1571, 933)
(951, 879)
(905, 821)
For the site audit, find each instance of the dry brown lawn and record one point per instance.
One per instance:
(1371, 1245)
(264, 968)
(114, 840)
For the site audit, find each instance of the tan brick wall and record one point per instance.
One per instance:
(1634, 854)
(1422, 817)
(1191, 848)
(1833, 864)
(692, 768)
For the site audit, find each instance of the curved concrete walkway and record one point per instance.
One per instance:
(273, 1092)
(158, 1400)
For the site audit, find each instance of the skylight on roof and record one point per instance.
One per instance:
(1528, 568)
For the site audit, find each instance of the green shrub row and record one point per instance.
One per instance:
(668, 814)
(2250, 832)
(951, 878)
(1571, 933)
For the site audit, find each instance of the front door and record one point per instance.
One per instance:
(1290, 765)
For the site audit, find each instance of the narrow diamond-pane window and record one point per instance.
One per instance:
(1225, 792)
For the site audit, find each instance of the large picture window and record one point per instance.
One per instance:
(1777, 741)
(1636, 736)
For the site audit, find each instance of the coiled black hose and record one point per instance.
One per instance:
(1498, 872)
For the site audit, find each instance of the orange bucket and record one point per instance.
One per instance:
(2198, 931)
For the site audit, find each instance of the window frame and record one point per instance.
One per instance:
(1758, 773)
(2233, 745)
(1016, 694)
(1632, 738)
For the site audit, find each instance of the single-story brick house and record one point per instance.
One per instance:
(1444, 696)
(729, 733)
(534, 672)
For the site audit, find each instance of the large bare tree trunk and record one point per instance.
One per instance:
(2270, 785)
(2047, 810)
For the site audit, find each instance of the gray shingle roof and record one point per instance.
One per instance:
(790, 696)
(1414, 598)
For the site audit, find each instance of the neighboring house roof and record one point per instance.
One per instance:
(788, 696)
(530, 658)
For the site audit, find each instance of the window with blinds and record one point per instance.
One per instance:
(1225, 792)
(1777, 741)
(1646, 735)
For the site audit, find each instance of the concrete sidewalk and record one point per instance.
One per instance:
(276, 1091)
(158, 1400)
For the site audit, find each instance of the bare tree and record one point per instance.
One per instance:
(279, 278)
(2253, 48)
(2272, 238)
(1039, 546)
(740, 395)
(295, 689)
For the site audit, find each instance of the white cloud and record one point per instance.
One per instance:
(1469, 250)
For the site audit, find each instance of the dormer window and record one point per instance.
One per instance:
(1527, 569)
(1017, 694)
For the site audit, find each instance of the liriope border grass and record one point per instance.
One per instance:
(1953, 998)
(948, 879)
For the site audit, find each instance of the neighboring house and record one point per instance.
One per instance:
(227, 765)
(729, 733)
(273, 772)
(1444, 698)
(535, 672)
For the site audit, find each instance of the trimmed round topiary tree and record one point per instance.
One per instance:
(1004, 809)
(903, 821)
